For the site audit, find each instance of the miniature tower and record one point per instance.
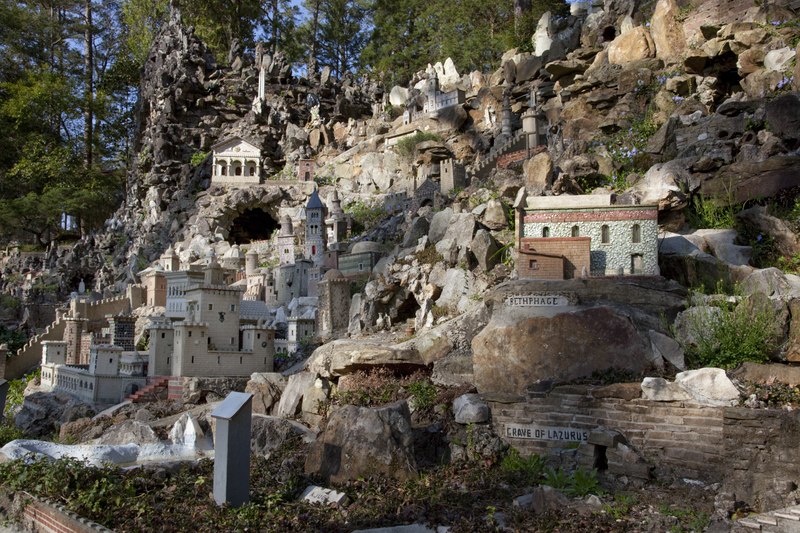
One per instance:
(334, 302)
(251, 263)
(170, 260)
(73, 331)
(162, 339)
(214, 274)
(315, 231)
(286, 241)
(336, 222)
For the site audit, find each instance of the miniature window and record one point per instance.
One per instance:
(238, 171)
(210, 307)
(545, 231)
(605, 235)
(251, 170)
(575, 231)
(533, 264)
(636, 233)
(190, 333)
(231, 340)
(233, 307)
(307, 176)
(223, 169)
(192, 359)
(163, 335)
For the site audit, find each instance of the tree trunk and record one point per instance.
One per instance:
(88, 67)
(312, 53)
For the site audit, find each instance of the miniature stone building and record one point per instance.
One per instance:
(623, 239)
(236, 161)
(361, 260)
(111, 374)
(451, 176)
(306, 169)
(334, 302)
(155, 283)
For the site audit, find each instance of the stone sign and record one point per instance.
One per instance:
(536, 300)
(534, 432)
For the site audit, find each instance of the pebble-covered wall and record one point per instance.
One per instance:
(621, 236)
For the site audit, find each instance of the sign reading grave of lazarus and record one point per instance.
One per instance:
(538, 299)
(534, 432)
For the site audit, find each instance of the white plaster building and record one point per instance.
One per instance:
(236, 161)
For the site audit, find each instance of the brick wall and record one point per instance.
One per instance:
(574, 250)
(677, 437)
(43, 516)
(505, 160)
(762, 463)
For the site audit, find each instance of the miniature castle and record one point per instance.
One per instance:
(220, 319)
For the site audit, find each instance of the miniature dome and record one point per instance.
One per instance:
(333, 275)
(365, 247)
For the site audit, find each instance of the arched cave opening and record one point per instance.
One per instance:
(252, 225)
(609, 34)
(406, 310)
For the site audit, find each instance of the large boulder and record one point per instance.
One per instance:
(538, 173)
(266, 389)
(342, 357)
(705, 386)
(633, 45)
(292, 397)
(785, 239)
(268, 433)
(42, 413)
(362, 441)
(485, 249)
(129, 432)
(667, 31)
(564, 344)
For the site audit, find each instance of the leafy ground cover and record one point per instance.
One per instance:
(466, 496)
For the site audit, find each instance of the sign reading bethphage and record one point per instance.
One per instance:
(534, 432)
(536, 300)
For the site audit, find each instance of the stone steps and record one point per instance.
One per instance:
(780, 521)
(149, 391)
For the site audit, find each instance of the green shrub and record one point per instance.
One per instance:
(522, 470)
(407, 146)
(364, 215)
(736, 333)
(9, 432)
(198, 158)
(423, 393)
(710, 214)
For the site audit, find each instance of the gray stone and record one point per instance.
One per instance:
(292, 397)
(439, 225)
(778, 59)
(485, 249)
(361, 441)
(129, 432)
(470, 409)
(772, 282)
(661, 390)
(494, 217)
(722, 245)
(667, 348)
(756, 218)
(43, 412)
(538, 173)
(268, 433)
(419, 227)
(708, 386)
(342, 357)
(266, 389)
(398, 96)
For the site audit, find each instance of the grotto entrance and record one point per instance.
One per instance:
(252, 225)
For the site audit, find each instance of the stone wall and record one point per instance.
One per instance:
(612, 248)
(679, 437)
(752, 452)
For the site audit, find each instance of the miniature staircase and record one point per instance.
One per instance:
(780, 521)
(516, 142)
(150, 391)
